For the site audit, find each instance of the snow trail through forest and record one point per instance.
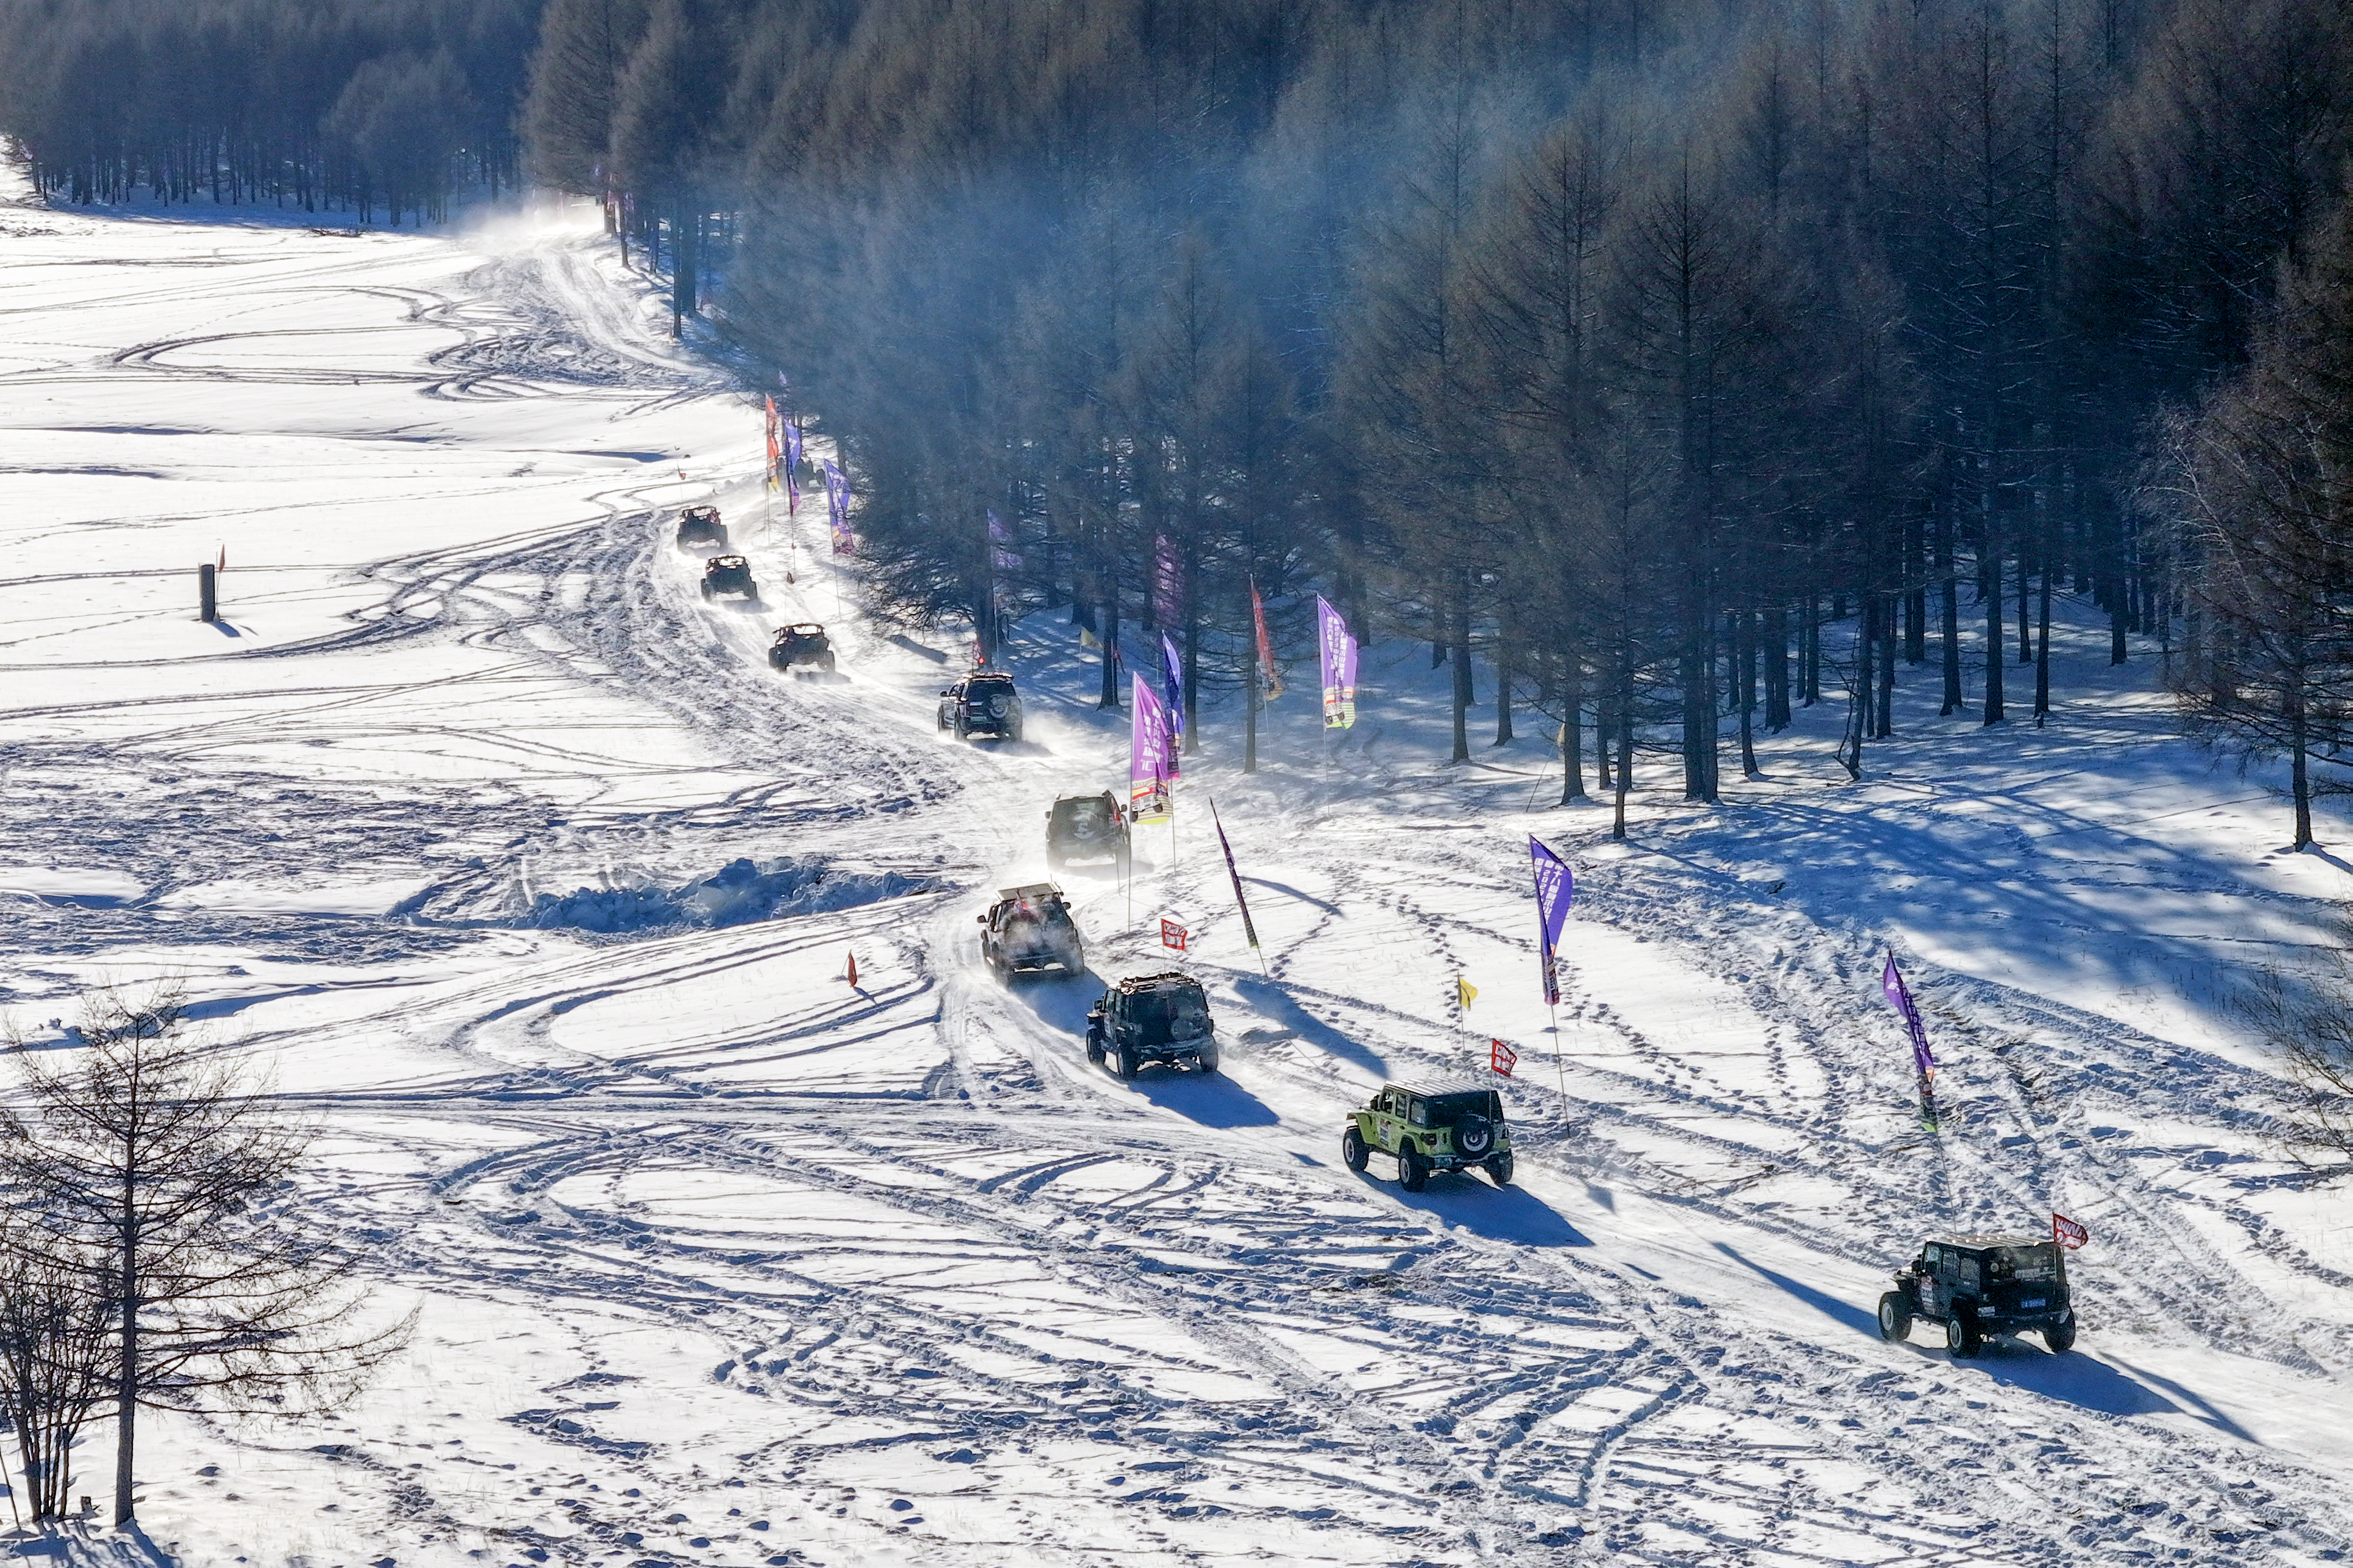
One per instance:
(724, 1261)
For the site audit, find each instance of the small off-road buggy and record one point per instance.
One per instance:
(1087, 827)
(1980, 1286)
(984, 703)
(1149, 1019)
(701, 525)
(1030, 929)
(803, 644)
(1431, 1127)
(728, 574)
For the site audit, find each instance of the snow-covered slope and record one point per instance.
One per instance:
(723, 1260)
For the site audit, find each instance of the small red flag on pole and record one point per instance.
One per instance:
(2067, 1232)
(1172, 935)
(852, 975)
(1503, 1059)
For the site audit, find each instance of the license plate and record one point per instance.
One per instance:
(2032, 1301)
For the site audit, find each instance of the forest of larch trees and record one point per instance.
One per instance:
(1664, 365)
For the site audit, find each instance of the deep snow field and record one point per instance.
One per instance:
(723, 1261)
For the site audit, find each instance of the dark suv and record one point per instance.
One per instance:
(701, 525)
(982, 704)
(1431, 1127)
(1149, 1019)
(803, 644)
(728, 574)
(1087, 827)
(1030, 929)
(1980, 1286)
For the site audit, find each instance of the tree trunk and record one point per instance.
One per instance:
(1192, 659)
(1989, 588)
(1249, 711)
(1625, 705)
(2042, 648)
(1572, 733)
(1744, 655)
(1777, 670)
(1502, 685)
(2299, 740)
(1110, 635)
(1458, 629)
(1887, 653)
(126, 1373)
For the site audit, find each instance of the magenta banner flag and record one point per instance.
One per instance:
(836, 497)
(1555, 887)
(1234, 875)
(1337, 651)
(1149, 797)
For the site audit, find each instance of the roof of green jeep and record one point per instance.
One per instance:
(1441, 1091)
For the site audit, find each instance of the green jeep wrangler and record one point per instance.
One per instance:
(1431, 1127)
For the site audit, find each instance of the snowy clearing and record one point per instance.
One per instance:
(724, 1261)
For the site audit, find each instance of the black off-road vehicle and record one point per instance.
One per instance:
(701, 525)
(1030, 929)
(1087, 827)
(804, 644)
(1980, 1286)
(728, 574)
(1431, 1127)
(983, 703)
(1149, 1019)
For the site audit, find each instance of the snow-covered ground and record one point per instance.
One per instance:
(722, 1261)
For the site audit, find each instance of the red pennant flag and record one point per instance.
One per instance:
(1503, 1059)
(1172, 935)
(852, 975)
(2067, 1232)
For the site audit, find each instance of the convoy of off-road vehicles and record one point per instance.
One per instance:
(1974, 1288)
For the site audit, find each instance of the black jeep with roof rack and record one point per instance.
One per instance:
(1148, 1018)
(1087, 827)
(1980, 1286)
(1430, 1126)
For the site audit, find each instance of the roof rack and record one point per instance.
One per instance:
(1031, 890)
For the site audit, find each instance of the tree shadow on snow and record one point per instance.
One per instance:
(1499, 1214)
(1274, 1003)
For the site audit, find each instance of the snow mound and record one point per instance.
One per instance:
(739, 893)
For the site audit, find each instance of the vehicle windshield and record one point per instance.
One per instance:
(2027, 1265)
(1486, 1103)
(1185, 1014)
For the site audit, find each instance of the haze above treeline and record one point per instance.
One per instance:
(1683, 361)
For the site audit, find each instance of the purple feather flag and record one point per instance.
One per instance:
(1337, 651)
(1171, 681)
(1555, 887)
(1147, 755)
(1891, 982)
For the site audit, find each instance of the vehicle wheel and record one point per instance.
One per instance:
(1894, 1322)
(1413, 1171)
(706, 590)
(1353, 1152)
(1499, 1168)
(828, 665)
(1208, 1062)
(1128, 1066)
(1095, 1048)
(1013, 731)
(961, 733)
(2060, 1337)
(1961, 1335)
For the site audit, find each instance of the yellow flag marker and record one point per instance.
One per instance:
(1465, 990)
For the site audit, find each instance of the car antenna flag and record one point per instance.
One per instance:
(1172, 935)
(2067, 1233)
(1501, 1058)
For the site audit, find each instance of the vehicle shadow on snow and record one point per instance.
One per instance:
(2079, 1380)
(1499, 1214)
